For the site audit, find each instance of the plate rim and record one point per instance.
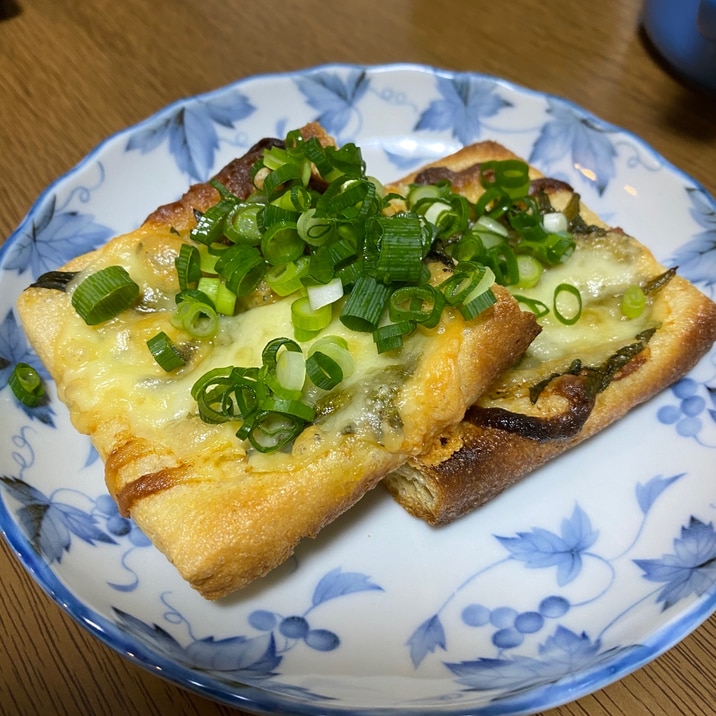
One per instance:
(659, 641)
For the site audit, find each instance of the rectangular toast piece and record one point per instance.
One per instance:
(576, 378)
(222, 512)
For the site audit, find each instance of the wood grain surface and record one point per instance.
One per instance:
(74, 72)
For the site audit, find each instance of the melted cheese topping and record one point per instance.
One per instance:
(601, 268)
(109, 368)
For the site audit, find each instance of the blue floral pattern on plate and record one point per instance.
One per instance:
(381, 614)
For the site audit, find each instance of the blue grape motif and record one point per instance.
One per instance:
(511, 627)
(296, 628)
(688, 415)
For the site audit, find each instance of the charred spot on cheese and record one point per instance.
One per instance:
(575, 389)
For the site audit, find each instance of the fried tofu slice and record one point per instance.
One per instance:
(223, 513)
(575, 379)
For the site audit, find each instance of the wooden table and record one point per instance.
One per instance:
(72, 73)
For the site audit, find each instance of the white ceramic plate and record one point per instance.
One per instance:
(580, 574)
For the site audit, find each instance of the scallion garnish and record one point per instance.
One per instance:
(323, 370)
(197, 317)
(165, 352)
(104, 294)
(574, 310)
(365, 304)
(633, 301)
(319, 230)
(188, 266)
(390, 336)
(242, 268)
(26, 385)
(308, 322)
(539, 308)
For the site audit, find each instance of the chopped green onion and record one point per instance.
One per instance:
(576, 312)
(503, 262)
(314, 230)
(216, 391)
(242, 267)
(198, 318)
(281, 244)
(207, 261)
(335, 347)
(284, 369)
(270, 430)
(291, 372)
(208, 286)
(555, 222)
(223, 300)
(324, 372)
(390, 336)
(26, 385)
(104, 295)
(364, 306)
(324, 294)
(188, 266)
(423, 304)
(491, 225)
(633, 301)
(286, 279)
(210, 225)
(401, 249)
(165, 352)
(529, 270)
(537, 307)
(306, 319)
(242, 224)
(509, 175)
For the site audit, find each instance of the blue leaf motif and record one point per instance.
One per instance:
(51, 537)
(426, 638)
(332, 97)
(401, 162)
(646, 494)
(53, 238)
(193, 141)
(80, 523)
(191, 134)
(571, 132)
(562, 654)
(235, 654)
(15, 349)
(256, 656)
(24, 493)
(151, 635)
(148, 139)
(696, 258)
(691, 569)
(227, 109)
(49, 525)
(702, 209)
(337, 584)
(465, 102)
(541, 548)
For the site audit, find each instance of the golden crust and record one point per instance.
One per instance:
(474, 461)
(221, 516)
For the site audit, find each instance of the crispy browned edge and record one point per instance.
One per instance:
(471, 464)
(212, 528)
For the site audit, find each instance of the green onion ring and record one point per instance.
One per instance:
(104, 294)
(573, 291)
(26, 385)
